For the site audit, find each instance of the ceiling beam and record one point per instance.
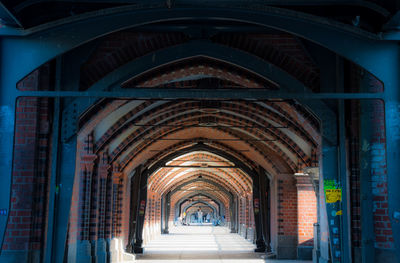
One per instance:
(7, 18)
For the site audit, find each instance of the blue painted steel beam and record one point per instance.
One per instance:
(46, 43)
(366, 195)
(392, 125)
(177, 93)
(7, 121)
(55, 142)
(63, 199)
(7, 18)
(345, 184)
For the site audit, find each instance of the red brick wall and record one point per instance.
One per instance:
(306, 211)
(123, 211)
(364, 81)
(383, 231)
(287, 207)
(26, 228)
(353, 149)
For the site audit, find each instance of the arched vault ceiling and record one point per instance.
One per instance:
(277, 135)
(165, 178)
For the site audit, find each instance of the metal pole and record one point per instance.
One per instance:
(260, 243)
(345, 222)
(53, 181)
(141, 213)
(367, 219)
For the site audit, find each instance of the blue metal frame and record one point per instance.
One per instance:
(44, 43)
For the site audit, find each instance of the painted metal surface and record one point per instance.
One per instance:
(35, 49)
(392, 120)
(53, 188)
(257, 209)
(140, 215)
(367, 206)
(63, 200)
(344, 182)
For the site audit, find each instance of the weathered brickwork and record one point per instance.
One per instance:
(374, 117)
(26, 228)
(306, 211)
(287, 207)
(354, 169)
(383, 231)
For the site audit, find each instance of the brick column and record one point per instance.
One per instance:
(117, 191)
(86, 166)
(116, 195)
(103, 172)
(306, 213)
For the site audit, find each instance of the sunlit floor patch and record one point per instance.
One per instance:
(201, 244)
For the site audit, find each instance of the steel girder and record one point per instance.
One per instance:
(379, 57)
(44, 43)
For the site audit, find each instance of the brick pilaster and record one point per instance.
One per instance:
(306, 209)
(117, 200)
(87, 167)
(103, 174)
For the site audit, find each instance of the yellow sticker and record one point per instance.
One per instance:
(339, 213)
(333, 195)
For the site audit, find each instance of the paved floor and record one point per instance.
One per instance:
(206, 244)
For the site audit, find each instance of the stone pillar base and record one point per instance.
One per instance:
(101, 251)
(114, 251)
(83, 251)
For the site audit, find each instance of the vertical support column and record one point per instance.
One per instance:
(116, 179)
(94, 212)
(392, 121)
(167, 211)
(260, 243)
(233, 213)
(250, 218)
(306, 215)
(134, 200)
(87, 165)
(108, 213)
(265, 208)
(313, 173)
(55, 155)
(344, 182)
(103, 172)
(8, 86)
(367, 216)
(65, 176)
(115, 210)
(332, 198)
(53, 177)
(141, 213)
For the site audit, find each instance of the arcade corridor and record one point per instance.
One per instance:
(203, 244)
(126, 126)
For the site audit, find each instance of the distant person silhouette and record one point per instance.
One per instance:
(199, 216)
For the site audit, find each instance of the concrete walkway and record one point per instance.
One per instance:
(206, 244)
